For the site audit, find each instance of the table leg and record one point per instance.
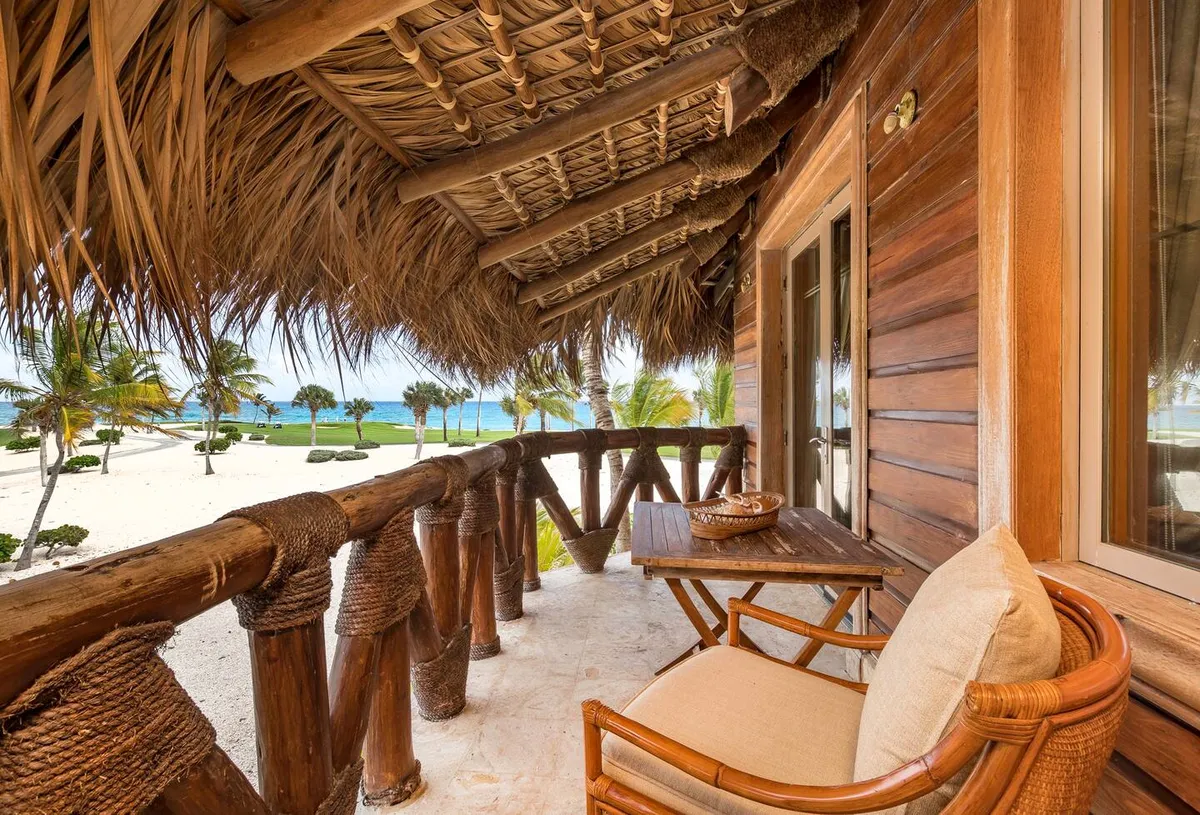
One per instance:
(838, 610)
(722, 614)
(693, 614)
(707, 637)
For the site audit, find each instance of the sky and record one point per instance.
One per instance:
(384, 379)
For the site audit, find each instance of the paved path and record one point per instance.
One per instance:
(119, 451)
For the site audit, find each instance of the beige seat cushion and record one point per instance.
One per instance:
(745, 711)
(982, 615)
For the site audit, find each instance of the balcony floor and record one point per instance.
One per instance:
(517, 748)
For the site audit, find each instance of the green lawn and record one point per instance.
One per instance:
(342, 433)
(6, 435)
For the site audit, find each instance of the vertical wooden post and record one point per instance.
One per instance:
(505, 578)
(291, 708)
(485, 642)
(439, 550)
(645, 491)
(589, 478)
(689, 462)
(351, 690)
(469, 550)
(506, 496)
(527, 512)
(391, 772)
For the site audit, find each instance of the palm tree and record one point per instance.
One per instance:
(272, 411)
(36, 414)
(715, 394)
(461, 397)
(444, 400)
(259, 400)
(224, 378)
(597, 393)
(479, 413)
(137, 371)
(651, 400)
(518, 407)
(358, 408)
(70, 393)
(419, 397)
(316, 398)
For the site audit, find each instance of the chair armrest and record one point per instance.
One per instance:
(861, 642)
(906, 783)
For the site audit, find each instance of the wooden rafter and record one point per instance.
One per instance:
(782, 117)
(676, 79)
(295, 32)
(492, 16)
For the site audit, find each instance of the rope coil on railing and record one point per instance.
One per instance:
(539, 444)
(481, 510)
(384, 579)
(507, 590)
(591, 550)
(733, 454)
(306, 530)
(106, 730)
(448, 508)
(440, 685)
(644, 465)
(691, 451)
(534, 481)
(595, 445)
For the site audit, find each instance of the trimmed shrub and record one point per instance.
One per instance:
(65, 535)
(351, 455)
(366, 444)
(91, 442)
(320, 456)
(76, 463)
(21, 445)
(461, 443)
(102, 435)
(234, 436)
(218, 445)
(8, 545)
(257, 437)
(227, 428)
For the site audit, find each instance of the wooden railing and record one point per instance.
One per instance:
(312, 728)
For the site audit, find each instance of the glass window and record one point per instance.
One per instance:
(1151, 298)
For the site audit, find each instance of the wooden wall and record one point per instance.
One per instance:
(922, 277)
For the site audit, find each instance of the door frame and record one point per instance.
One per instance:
(808, 181)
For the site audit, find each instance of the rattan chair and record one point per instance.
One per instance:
(1038, 747)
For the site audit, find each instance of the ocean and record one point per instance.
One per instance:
(491, 416)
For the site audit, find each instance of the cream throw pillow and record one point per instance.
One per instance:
(982, 615)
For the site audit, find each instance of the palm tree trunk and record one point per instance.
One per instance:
(479, 413)
(542, 420)
(445, 428)
(26, 559)
(312, 428)
(358, 426)
(112, 431)
(209, 434)
(42, 453)
(420, 423)
(460, 408)
(602, 415)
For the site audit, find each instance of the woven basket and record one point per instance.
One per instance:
(715, 519)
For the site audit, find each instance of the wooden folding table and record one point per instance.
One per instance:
(806, 546)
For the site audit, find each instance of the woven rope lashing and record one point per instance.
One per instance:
(440, 685)
(343, 797)
(705, 245)
(535, 445)
(534, 481)
(384, 579)
(726, 160)
(712, 209)
(508, 591)
(306, 530)
(448, 508)
(733, 454)
(784, 47)
(692, 450)
(595, 445)
(104, 731)
(644, 465)
(481, 510)
(590, 550)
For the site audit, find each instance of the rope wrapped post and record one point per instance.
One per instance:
(285, 617)
(369, 685)
(440, 684)
(477, 547)
(689, 460)
(110, 730)
(214, 785)
(533, 482)
(728, 469)
(590, 460)
(646, 466)
(509, 570)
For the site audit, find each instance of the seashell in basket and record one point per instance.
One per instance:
(732, 515)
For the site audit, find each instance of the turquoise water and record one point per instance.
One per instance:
(491, 417)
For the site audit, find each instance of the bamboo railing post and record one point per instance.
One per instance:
(440, 684)
(485, 640)
(391, 772)
(689, 462)
(351, 693)
(645, 491)
(527, 518)
(533, 482)
(590, 458)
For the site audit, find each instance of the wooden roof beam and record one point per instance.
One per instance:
(589, 118)
(431, 76)
(653, 231)
(294, 33)
(682, 255)
(747, 92)
(783, 117)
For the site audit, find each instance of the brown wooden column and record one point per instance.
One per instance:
(728, 469)
(214, 785)
(689, 461)
(590, 461)
(509, 573)
(391, 772)
(485, 640)
(533, 482)
(477, 545)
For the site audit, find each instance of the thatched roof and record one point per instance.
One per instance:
(137, 173)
